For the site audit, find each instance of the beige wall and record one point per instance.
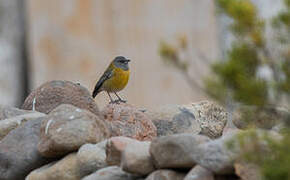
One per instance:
(76, 39)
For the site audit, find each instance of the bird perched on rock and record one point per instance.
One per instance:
(114, 79)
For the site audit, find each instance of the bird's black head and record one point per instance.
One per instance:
(121, 62)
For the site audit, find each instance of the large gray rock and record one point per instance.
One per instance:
(67, 128)
(54, 93)
(176, 151)
(18, 151)
(166, 174)
(136, 158)
(111, 173)
(217, 156)
(92, 157)
(115, 147)
(199, 173)
(64, 169)
(6, 125)
(205, 117)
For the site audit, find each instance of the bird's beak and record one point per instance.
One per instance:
(128, 60)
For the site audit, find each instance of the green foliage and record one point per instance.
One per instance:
(246, 23)
(170, 55)
(237, 75)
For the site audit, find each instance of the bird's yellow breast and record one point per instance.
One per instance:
(118, 81)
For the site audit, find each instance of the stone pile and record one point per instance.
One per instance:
(71, 139)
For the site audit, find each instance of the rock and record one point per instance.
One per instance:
(111, 173)
(67, 128)
(203, 117)
(6, 125)
(92, 157)
(127, 120)
(136, 158)
(216, 155)
(220, 155)
(176, 151)
(247, 171)
(199, 173)
(114, 148)
(64, 169)
(18, 151)
(7, 112)
(54, 93)
(166, 174)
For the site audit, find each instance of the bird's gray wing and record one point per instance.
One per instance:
(107, 75)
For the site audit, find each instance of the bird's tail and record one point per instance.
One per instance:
(95, 92)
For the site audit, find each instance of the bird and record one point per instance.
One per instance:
(114, 79)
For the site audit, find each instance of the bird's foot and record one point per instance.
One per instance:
(114, 102)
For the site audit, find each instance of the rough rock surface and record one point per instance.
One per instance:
(18, 151)
(199, 173)
(111, 173)
(127, 120)
(51, 94)
(92, 157)
(166, 174)
(67, 128)
(136, 158)
(203, 117)
(6, 125)
(176, 151)
(64, 169)
(114, 148)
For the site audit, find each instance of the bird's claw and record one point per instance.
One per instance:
(122, 101)
(118, 101)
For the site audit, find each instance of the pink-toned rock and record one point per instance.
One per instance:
(51, 94)
(127, 120)
(114, 148)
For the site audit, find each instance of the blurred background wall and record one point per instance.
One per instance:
(76, 40)
(13, 79)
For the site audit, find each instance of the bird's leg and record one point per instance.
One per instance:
(119, 99)
(111, 99)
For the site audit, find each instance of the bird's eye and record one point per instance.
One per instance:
(122, 61)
